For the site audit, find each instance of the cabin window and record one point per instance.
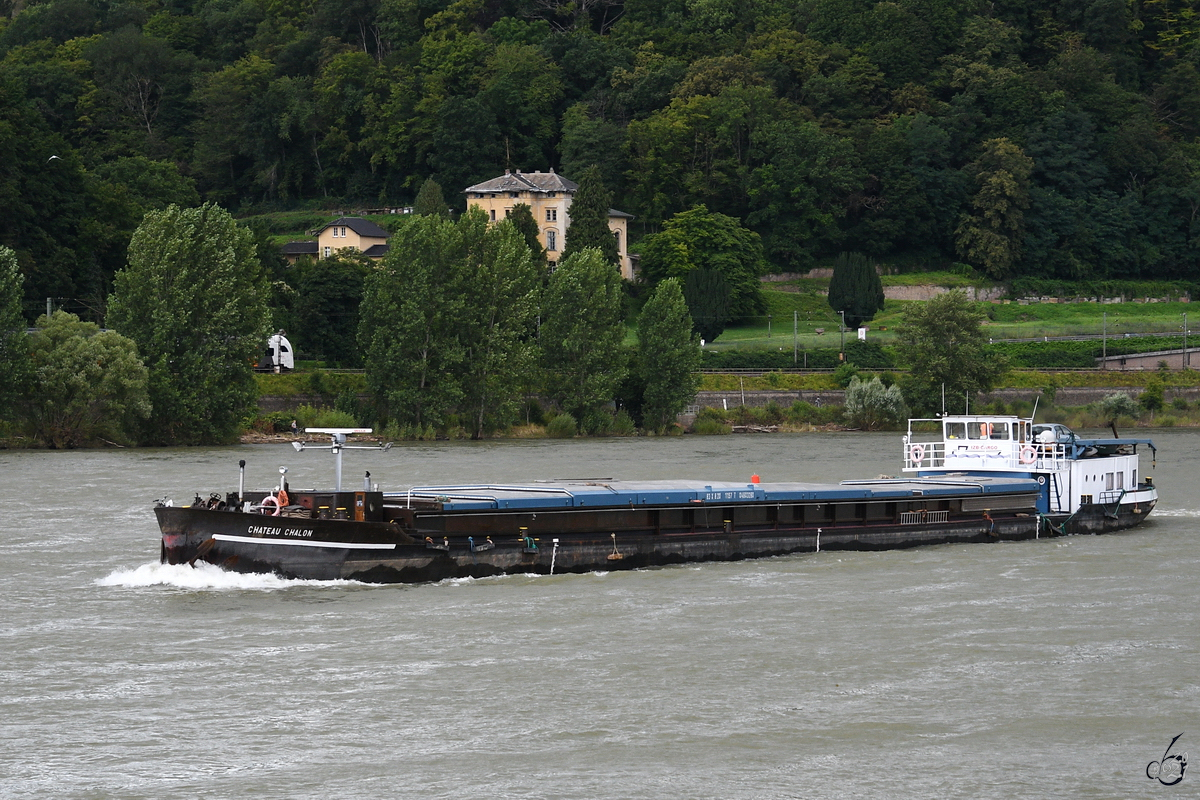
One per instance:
(1134, 484)
(956, 430)
(1108, 481)
(1120, 480)
(977, 430)
(999, 430)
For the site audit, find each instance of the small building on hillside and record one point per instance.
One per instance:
(344, 233)
(548, 196)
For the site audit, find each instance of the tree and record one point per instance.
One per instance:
(86, 385)
(702, 239)
(14, 349)
(855, 288)
(870, 405)
(193, 297)
(991, 237)
(946, 347)
(522, 218)
(429, 199)
(707, 296)
(669, 355)
(408, 329)
(499, 321)
(581, 333)
(589, 219)
(329, 294)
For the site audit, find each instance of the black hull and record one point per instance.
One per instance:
(392, 552)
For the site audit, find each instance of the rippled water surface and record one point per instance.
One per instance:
(1049, 668)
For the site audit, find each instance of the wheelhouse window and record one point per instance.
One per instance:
(956, 430)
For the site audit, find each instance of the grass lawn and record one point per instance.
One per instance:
(1005, 321)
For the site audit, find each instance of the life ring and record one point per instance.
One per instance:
(1028, 454)
(917, 453)
(273, 501)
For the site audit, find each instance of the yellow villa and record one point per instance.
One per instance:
(548, 196)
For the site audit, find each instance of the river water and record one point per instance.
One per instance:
(1028, 669)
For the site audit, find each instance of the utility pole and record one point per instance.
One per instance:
(1185, 352)
(795, 336)
(842, 354)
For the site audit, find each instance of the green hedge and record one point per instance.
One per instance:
(1050, 287)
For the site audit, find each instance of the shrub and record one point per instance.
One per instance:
(563, 426)
(871, 405)
(622, 424)
(331, 418)
(707, 426)
(1117, 404)
(1152, 398)
(844, 374)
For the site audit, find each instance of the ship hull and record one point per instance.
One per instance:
(431, 547)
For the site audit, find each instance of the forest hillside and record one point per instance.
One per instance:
(1049, 139)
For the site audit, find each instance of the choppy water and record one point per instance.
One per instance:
(1032, 669)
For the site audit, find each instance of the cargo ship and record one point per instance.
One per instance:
(964, 479)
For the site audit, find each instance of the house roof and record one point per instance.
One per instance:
(517, 181)
(376, 250)
(612, 212)
(299, 249)
(363, 227)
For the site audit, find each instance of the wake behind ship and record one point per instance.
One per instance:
(969, 479)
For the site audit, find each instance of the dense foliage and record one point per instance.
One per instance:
(449, 323)
(86, 385)
(855, 288)
(668, 356)
(949, 354)
(193, 299)
(1054, 139)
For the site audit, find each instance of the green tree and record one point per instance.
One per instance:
(946, 347)
(855, 288)
(589, 218)
(329, 294)
(669, 356)
(702, 239)
(501, 305)
(522, 218)
(870, 405)
(193, 297)
(408, 329)
(991, 236)
(86, 385)
(429, 199)
(707, 296)
(581, 333)
(14, 349)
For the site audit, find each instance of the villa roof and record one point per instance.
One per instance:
(363, 227)
(517, 181)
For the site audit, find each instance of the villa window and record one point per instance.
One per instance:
(617, 236)
(551, 215)
(328, 252)
(492, 214)
(551, 240)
